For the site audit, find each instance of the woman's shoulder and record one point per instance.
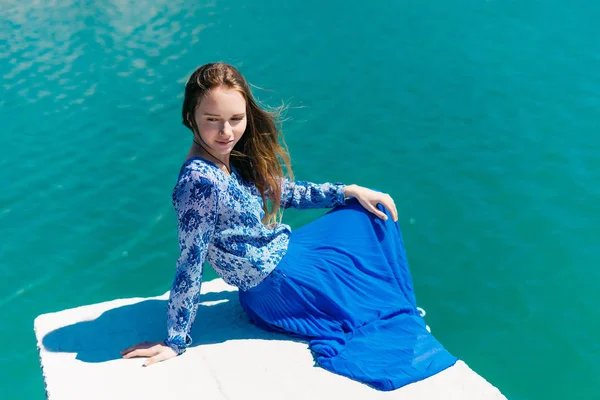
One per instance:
(197, 169)
(197, 176)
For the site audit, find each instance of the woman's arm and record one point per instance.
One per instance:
(195, 202)
(196, 205)
(303, 194)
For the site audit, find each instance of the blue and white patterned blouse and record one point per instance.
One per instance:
(220, 221)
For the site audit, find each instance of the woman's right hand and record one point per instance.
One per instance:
(155, 351)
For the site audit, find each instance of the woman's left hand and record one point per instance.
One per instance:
(155, 351)
(369, 199)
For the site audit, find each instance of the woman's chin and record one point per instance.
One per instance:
(222, 152)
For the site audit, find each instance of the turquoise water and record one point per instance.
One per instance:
(480, 118)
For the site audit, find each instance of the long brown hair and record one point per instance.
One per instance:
(261, 151)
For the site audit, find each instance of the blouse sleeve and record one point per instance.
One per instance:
(195, 202)
(302, 194)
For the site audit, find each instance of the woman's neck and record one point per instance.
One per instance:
(221, 161)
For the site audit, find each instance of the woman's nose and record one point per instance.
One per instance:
(226, 128)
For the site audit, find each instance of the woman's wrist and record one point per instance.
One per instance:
(177, 344)
(350, 190)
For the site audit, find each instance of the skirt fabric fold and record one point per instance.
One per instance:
(345, 287)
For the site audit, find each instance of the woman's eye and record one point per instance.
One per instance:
(237, 118)
(211, 119)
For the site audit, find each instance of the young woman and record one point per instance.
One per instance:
(341, 282)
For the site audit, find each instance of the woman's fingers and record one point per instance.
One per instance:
(388, 203)
(155, 351)
(144, 349)
(391, 206)
(376, 211)
(162, 356)
(369, 199)
(141, 353)
(130, 348)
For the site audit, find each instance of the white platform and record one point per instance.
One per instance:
(229, 359)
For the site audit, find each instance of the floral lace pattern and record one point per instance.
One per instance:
(220, 221)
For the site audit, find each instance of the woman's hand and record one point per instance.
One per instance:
(156, 351)
(369, 199)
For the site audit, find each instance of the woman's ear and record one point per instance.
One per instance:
(189, 121)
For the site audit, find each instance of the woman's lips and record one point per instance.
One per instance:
(224, 143)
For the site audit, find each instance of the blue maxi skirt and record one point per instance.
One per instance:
(345, 287)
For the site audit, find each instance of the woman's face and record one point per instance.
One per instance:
(221, 119)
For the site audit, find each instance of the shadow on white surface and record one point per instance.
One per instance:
(220, 318)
